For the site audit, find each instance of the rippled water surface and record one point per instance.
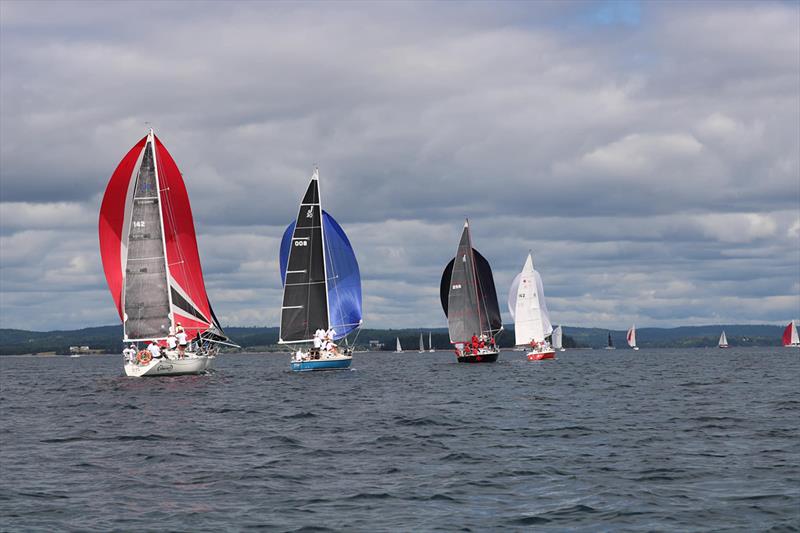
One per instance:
(596, 440)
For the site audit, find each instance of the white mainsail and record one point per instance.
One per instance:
(723, 340)
(632, 336)
(430, 343)
(399, 348)
(527, 306)
(557, 338)
(795, 336)
(421, 344)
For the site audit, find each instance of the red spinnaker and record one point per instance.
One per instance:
(190, 306)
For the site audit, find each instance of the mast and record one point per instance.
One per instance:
(152, 141)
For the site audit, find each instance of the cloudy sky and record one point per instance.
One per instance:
(648, 153)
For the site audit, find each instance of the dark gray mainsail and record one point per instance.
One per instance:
(305, 294)
(146, 296)
(468, 294)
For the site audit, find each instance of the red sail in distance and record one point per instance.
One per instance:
(787, 334)
(184, 274)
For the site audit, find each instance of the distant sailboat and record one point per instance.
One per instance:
(469, 301)
(399, 348)
(152, 266)
(790, 337)
(321, 286)
(430, 343)
(557, 337)
(610, 345)
(723, 340)
(527, 306)
(421, 344)
(632, 337)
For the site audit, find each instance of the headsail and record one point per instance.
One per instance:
(468, 294)
(318, 293)
(723, 339)
(149, 248)
(527, 306)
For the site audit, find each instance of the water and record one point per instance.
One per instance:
(597, 440)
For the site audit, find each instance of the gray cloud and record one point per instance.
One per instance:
(648, 154)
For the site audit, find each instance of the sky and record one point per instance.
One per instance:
(648, 154)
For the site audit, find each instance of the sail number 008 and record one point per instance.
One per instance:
(301, 243)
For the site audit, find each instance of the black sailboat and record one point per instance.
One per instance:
(469, 301)
(610, 345)
(321, 286)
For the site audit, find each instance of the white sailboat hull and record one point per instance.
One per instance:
(192, 364)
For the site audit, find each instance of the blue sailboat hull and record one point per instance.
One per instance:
(308, 366)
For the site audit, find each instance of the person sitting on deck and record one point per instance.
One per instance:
(183, 342)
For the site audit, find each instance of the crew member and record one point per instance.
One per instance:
(183, 341)
(154, 349)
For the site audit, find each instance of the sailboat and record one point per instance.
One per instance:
(430, 343)
(527, 306)
(398, 349)
(610, 345)
(557, 338)
(321, 287)
(469, 301)
(152, 265)
(790, 337)
(421, 344)
(632, 337)
(723, 340)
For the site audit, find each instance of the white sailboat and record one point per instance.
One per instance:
(557, 339)
(632, 337)
(421, 344)
(399, 348)
(152, 266)
(528, 309)
(723, 340)
(430, 343)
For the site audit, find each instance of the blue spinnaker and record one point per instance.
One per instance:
(344, 278)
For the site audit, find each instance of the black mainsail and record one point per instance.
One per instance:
(305, 295)
(468, 294)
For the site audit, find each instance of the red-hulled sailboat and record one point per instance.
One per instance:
(152, 265)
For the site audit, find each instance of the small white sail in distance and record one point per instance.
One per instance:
(632, 336)
(527, 306)
(558, 338)
(399, 348)
(723, 339)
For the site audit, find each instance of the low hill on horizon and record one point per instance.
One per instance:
(108, 338)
